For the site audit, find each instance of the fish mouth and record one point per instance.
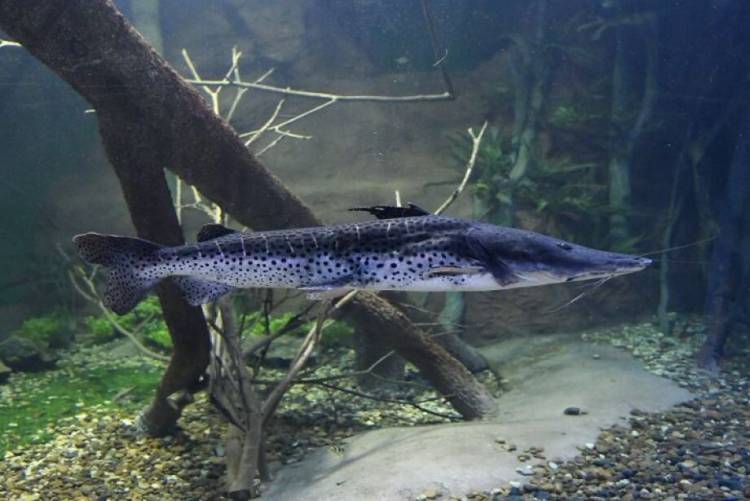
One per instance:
(634, 263)
(621, 266)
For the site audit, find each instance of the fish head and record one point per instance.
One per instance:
(527, 258)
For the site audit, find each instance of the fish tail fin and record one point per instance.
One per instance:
(129, 281)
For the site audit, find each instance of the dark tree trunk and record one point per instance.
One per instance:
(93, 47)
(725, 272)
(149, 202)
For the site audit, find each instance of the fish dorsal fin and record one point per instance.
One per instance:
(212, 230)
(392, 212)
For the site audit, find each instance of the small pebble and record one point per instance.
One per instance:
(572, 411)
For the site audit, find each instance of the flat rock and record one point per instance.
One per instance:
(546, 375)
(5, 372)
(22, 354)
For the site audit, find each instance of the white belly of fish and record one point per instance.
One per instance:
(474, 282)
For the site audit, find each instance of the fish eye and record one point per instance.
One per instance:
(565, 246)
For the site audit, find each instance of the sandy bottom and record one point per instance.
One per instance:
(546, 375)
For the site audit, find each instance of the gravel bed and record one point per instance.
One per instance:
(698, 450)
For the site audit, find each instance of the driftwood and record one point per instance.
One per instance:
(232, 392)
(146, 109)
(448, 375)
(725, 282)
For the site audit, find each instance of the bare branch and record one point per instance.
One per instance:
(293, 323)
(93, 296)
(254, 135)
(306, 349)
(443, 96)
(476, 141)
(452, 417)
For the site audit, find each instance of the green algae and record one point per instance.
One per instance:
(32, 403)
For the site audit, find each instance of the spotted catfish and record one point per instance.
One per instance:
(407, 248)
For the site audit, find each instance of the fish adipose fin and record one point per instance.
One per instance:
(197, 291)
(211, 231)
(391, 212)
(120, 256)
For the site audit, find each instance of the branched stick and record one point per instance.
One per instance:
(452, 417)
(235, 70)
(214, 92)
(476, 141)
(254, 135)
(270, 145)
(306, 349)
(289, 326)
(443, 96)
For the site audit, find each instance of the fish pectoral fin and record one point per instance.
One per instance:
(197, 291)
(479, 243)
(324, 293)
(452, 271)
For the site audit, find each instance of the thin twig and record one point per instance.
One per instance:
(306, 349)
(269, 145)
(476, 141)
(235, 70)
(443, 96)
(254, 135)
(437, 47)
(451, 417)
(93, 296)
(293, 323)
(347, 375)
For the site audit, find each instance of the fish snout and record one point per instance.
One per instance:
(627, 261)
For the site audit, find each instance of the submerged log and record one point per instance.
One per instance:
(135, 92)
(448, 375)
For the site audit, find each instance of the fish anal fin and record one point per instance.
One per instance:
(392, 212)
(212, 230)
(452, 271)
(197, 291)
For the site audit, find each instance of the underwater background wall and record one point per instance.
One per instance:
(599, 74)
